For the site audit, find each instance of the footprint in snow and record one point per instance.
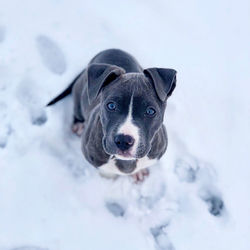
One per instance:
(186, 170)
(213, 200)
(27, 95)
(189, 170)
(5, 127)
(5, 132)
(52, 56)
(161, 238)
(116, 209)
(215, 205)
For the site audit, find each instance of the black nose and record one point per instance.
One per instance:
(124, 142)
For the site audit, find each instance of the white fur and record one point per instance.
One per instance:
(128, 128)
(110, 169)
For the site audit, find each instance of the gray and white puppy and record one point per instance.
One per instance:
(122, 108)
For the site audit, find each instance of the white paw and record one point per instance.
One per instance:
(141, 175)
(77, 128)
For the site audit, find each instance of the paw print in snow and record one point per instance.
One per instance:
(52, 56)
(186, 170)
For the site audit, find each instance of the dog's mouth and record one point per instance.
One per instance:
(126, 166)
(124, 155)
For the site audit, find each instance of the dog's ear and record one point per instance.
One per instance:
(99, 75)
(164, 81)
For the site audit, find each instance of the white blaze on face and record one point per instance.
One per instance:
(129, 128)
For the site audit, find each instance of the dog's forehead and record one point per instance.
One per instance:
(131, 84)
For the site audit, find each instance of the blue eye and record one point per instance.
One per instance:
(111, 106)
(150, 111)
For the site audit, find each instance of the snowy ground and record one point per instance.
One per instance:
(196, 198)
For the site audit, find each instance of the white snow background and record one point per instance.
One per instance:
(196, 198)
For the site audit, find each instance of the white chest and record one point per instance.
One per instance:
(110, 168)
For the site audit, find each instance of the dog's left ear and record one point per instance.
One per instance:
(164, 81)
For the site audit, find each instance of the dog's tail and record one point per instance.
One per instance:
(65, 93)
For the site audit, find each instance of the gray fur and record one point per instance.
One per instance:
(114, 75)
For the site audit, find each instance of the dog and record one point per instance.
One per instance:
(118, 111)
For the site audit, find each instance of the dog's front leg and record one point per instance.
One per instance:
(140, 175)
(77, 126)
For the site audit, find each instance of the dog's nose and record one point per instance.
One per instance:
(124, 142)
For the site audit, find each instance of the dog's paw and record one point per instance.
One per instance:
(140, 176)
(77, 128)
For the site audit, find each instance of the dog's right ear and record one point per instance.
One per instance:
(99, 75)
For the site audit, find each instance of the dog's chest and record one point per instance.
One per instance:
(114, 166)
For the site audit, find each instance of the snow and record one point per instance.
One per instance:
(197, 197)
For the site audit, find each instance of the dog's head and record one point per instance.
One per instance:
(132, 106)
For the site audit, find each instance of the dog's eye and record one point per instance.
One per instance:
(150, 111)
(111, 106)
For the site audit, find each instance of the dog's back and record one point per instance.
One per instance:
(119, 58)
(110, 56)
